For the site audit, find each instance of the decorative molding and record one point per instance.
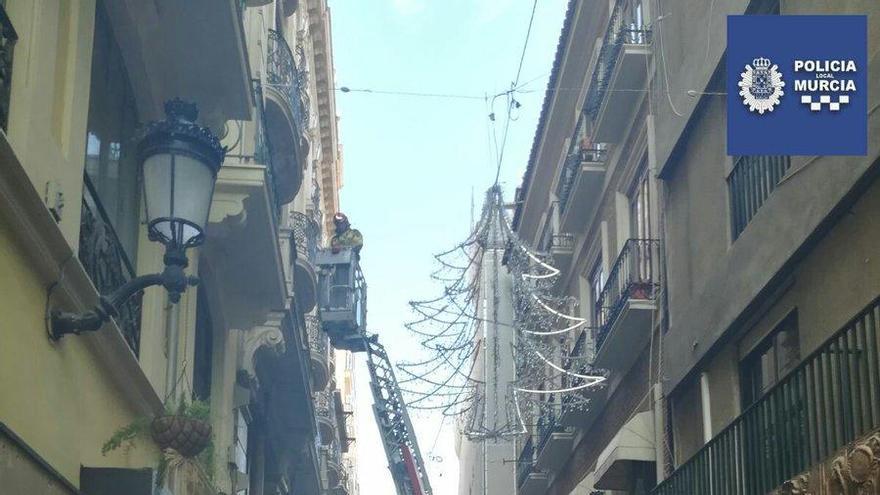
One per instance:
(855, 470)
(268, 335)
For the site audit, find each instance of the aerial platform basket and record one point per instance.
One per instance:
(342, 298)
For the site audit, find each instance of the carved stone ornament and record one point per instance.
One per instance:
(855, 470)
(268, 335)
(799, 485)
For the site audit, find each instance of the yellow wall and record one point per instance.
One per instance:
(59, 397)
(55, 396)
(50, 92)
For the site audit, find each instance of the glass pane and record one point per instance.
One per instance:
(193, 186)
(110, 161)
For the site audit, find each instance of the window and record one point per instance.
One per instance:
(204, 348)
(777, 354)
(763, 7)
(750, 183)
(640, 205)
(110, 161)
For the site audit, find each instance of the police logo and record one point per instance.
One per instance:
(761, 85)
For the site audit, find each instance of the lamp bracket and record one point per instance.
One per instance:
(172, 278)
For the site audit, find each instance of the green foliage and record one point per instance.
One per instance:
(126, 435)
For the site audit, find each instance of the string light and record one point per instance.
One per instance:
(460, 328)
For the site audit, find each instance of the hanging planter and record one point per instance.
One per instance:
(185, 434)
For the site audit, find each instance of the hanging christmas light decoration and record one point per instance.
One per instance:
(502, 348)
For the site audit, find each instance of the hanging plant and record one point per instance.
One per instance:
(186, 431)
(183, 434)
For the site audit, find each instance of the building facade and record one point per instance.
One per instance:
(80, 78)
(732, 300)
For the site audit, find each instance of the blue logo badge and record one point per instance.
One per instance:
(797, 85)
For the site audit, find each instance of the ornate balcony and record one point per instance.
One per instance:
(106, 262)
(318, 352)
(8, 37)
(626, 304)
(287, 113)
(620, 72)
(800, 434)
(325, 411)
(337, 474)
(306, 235)
(244, 221)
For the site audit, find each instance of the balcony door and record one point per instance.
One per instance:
(640, 205)
(110, 215)
(110, 161)
(640, 278)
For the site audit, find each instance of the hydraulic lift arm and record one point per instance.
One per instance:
(395, 429)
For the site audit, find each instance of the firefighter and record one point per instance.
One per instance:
(345, 236)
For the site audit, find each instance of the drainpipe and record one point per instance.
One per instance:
(659, 432)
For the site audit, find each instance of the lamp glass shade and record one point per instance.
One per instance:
(177, 190)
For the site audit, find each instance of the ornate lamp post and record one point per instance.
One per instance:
(179, 162)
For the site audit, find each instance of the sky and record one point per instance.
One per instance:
(414, 166)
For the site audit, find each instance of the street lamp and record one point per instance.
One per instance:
(179, 161)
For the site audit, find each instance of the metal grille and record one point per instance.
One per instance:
(633, 276)
(282, 72)
(104, 259)
(525, 462)
(576, 158)
(306, 231)
(626, 25)
(316, 337)
(750, 184)
(829, 400)
(325, 407)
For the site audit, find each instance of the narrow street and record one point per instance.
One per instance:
(424, 247)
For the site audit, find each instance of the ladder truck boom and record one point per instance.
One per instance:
(395, 428)
(343, 306)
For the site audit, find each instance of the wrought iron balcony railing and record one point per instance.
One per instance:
(828, 401)
(579, 361)
(334, 458)
(635, 275)
(547, 423)
(325, 407)
(8, 38)
(525, 463)
(106, 262)
(306, 234)
(626, 26)
(316, 337)
(572, 166)
(750, 183)
(291, 80)
(263, 151)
